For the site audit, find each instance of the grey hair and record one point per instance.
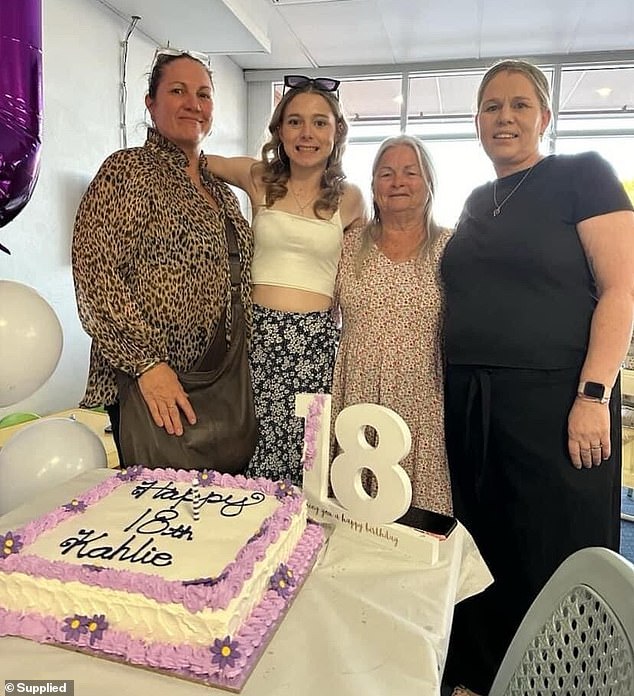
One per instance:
(373, 229)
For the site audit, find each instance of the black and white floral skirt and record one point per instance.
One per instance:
(291, 353)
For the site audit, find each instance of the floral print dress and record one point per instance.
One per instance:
(391, 354)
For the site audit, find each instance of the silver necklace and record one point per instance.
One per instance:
(498, 206)
(301, 207)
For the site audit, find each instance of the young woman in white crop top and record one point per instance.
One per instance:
(301, 207)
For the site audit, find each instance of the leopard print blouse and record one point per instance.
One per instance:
(150, 263)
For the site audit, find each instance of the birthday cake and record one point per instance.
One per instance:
(154, 569)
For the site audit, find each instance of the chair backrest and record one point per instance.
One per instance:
(577, 638)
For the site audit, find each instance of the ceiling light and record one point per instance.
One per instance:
(604, 91)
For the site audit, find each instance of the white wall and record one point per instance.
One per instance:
(81, 46)
(260, 109)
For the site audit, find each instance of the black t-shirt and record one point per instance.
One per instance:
(519, 290)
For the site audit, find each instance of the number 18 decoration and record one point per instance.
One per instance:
(352, 509)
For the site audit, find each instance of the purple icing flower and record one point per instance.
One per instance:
(10, 544)
(96, 626)
(75, 506)
(283, 580)
(284, 489)
(74, 626)
(205, 478)
(225, 652)
(131, 473)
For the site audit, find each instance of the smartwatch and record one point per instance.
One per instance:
(594, 391)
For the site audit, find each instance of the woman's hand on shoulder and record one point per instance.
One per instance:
(166, 398)
(237, 171)
(353, 208)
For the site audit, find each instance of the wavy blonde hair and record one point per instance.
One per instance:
(374, 229)
(274, 165)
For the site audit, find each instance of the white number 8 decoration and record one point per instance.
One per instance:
(394, 489)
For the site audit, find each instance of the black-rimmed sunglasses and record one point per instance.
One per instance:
(323, 84)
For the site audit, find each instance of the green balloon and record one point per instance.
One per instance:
(17, 418)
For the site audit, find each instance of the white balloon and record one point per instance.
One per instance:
(44, 454)
(30, 341)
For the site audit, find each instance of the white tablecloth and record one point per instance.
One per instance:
(367, 622)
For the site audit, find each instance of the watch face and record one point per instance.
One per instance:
(594, 389)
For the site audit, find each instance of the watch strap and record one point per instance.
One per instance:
(594, 391)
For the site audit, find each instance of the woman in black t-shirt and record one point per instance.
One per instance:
(539, 282)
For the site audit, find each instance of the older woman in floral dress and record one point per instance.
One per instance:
(391, 303)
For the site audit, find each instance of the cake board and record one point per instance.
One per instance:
(226, 662)
(236, 683)
(233, 685)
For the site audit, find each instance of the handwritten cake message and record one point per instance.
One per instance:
(169, 518)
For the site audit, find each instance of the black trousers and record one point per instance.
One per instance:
(114, 412)
(516, 491)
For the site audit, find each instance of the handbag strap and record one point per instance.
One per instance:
(217, 350)
(234, 262)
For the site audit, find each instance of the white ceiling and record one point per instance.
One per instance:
(315, 34)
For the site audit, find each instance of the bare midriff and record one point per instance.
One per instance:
(290, 299)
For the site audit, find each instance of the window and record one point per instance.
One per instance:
(595, 111)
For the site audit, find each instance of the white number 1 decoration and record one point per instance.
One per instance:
(352, 507)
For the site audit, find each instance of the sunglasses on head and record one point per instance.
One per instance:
(196, 55)
(323, 84)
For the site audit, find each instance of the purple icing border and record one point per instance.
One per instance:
(193, 597)
(183, 660)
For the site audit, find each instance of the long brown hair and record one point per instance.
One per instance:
(158, 68)
(275, 164)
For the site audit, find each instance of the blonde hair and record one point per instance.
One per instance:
(532, 72)
(274, 165)
(373, 230)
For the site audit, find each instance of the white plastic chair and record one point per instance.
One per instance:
(577, 638)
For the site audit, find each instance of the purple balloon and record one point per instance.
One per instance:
(20, 103)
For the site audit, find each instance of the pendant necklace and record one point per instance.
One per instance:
(301, 207)
(498, 206)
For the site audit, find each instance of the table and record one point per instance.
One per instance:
(627, 388)
(366, 623)
(95, 420)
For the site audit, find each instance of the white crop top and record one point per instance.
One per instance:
(296, 252)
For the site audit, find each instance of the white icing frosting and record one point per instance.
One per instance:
(161, 528)
(154, 519)
(142, 617)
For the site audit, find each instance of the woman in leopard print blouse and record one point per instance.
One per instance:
(150, 258)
